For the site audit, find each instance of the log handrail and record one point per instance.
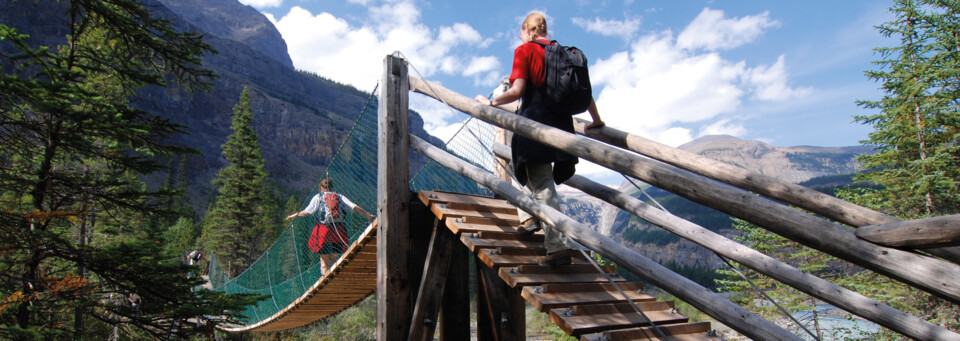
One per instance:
(702, 298)
(841, 297)
(920, 233)
(929, 274)
(808, 199)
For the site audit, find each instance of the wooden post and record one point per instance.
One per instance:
(393, 278)
(702, 298)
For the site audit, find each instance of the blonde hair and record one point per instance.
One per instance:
(538, 22)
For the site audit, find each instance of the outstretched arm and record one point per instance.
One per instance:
(511, 95)
(364, 213)
(298, 214)
(594, 115)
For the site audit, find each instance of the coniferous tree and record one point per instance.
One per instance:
(916, 127)
(235, 225)
(75, 244)
(916, 133)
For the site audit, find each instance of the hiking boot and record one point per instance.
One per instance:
(558, 258)
(529, 227)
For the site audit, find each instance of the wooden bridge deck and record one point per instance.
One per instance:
(351, 279)
(578, 298)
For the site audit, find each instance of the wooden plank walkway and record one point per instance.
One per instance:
(351, 279)
(580, 300)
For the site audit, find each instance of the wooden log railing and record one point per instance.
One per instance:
(707, 301)
(926, 273)
(836, 295)
(811, 200)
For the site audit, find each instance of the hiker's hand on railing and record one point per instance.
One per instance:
(483, 99)
(595, 124)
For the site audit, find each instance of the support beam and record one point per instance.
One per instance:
(501, 310)
(702, 298)
(919, 233)
(394, 291)
(433, 283)
(929, 274)
(454, 319)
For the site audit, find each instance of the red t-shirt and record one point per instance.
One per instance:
(528, 63)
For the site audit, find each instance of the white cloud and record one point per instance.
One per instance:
(770, 83)
(262, 3)
(723, 127)
(438, 119)
(711, 31)
(658, 84)
(353, 53)
(609, 27)
(485, 70)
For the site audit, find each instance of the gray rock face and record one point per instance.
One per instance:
(231, 20)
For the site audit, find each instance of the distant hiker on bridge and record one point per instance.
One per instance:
(329, 237)
(536, 166)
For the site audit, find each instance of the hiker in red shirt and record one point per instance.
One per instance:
(537, 166)
(329, 237)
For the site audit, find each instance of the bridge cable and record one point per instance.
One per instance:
(755, 287)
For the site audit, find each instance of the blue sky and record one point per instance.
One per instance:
(784, 72)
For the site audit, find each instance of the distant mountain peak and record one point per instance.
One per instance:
(229, 19)
(794, 164)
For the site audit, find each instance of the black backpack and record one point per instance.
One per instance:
(567, 82)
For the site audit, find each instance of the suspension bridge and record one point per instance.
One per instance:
(460, 205)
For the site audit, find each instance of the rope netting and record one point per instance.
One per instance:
(295, 261)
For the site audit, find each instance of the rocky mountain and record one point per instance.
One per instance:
(231, 20)
(301, 118)
(799, 164)
(792, 164)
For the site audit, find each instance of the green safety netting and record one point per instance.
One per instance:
(289, 267)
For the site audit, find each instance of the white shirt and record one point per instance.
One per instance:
(315, 206)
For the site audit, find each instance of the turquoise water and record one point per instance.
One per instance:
(835, 327)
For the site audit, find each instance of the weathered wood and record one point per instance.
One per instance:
(702, 298)
(394, 293)
(474, 243)
(526, 279)
(926, 273)
(695, 331)
(544, 301)
(817, 202)
(432, 284)
(919, 233)
(460, 201)
(454, 321)
(595, 318)
(825, 290)
(809, 199)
